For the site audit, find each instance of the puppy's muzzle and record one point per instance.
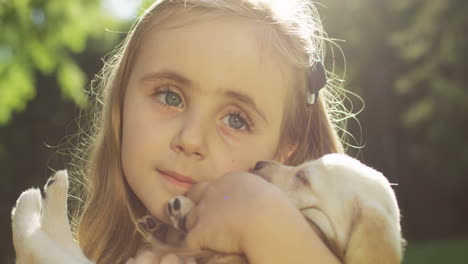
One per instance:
(262, 169)
(260, 165)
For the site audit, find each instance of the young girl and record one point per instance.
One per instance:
(198, 89)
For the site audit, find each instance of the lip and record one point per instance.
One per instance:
(177, 179)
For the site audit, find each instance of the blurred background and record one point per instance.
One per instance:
(407, 59)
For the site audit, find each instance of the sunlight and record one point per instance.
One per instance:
(122, 9)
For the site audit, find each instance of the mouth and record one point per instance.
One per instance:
(177, 179)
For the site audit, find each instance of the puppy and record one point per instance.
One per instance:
(351, 206)
(41, 231)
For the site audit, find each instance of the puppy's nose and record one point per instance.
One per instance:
(261, 164)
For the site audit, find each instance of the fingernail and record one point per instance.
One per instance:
(130, 261)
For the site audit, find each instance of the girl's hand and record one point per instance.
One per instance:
(149, 257)
(230, 209)
(243, 213)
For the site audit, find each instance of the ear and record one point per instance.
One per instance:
(374, 238)
(323, 225)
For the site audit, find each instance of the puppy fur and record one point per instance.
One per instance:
(351, 206)
(41, 231)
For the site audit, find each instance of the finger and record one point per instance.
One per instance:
(197, 191)
(130, 261)
(193, 240)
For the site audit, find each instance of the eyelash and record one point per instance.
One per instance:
(164, 90)
(167, 88)
(248, 122)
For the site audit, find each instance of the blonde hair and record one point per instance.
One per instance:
(105, 229)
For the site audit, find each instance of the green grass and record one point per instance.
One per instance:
(437, 252)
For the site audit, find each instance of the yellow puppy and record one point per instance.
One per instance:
(351, 204)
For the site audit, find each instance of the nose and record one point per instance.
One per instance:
(189, 140)
(260, 165)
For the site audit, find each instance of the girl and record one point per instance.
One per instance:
(198, 89)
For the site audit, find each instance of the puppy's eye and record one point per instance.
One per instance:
(302, 177)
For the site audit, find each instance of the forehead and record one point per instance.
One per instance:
(218, 53)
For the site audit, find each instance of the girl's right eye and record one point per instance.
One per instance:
(169, 98)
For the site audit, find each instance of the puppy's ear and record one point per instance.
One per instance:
(323, 225)
(374, 238)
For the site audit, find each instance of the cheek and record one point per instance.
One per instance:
(240, 158)
(130, 137)
(137, 134)
(140, 125)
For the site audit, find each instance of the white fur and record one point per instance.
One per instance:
(41, 231)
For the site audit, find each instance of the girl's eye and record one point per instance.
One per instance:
(235, 121)
(170, 98)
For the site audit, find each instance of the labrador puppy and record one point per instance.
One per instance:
(350, 205)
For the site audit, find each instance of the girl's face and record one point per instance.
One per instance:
(203, 99)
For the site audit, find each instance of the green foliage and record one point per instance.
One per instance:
(16, 87)
(431, 43)
(437, 252)
(39, 36)
(145, 4)
(70, 78)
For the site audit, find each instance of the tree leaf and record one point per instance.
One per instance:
(16, 89)
(72, 82)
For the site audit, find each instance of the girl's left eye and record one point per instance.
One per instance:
(236, 121)
(170, 98)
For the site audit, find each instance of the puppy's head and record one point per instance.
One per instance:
(331, 192)
(305, 187)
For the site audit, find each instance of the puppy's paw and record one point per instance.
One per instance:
(54, 218)
(40, 225)
(150, 228)
(25, 218)
(54, 212)
(177, 209)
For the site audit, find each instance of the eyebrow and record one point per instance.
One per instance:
(246, 100)
(167, 75)
(175, 76)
